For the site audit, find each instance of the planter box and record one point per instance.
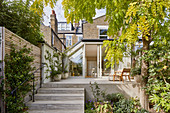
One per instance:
(57, 78)
(65, 75)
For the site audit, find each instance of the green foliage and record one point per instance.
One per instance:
(38, 5)
(54, 66)
(114, 52)
(17, 69)
(64, 65)
(114, 97)
(89, 107)
(147, 19)
(135, 71)
(158, 85)
(122, 105)
(97, 93)
(134, 18)
(104, 107)
(128, 106)
(17, 17)
(112, 103)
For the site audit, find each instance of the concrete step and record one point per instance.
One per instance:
(42, 97)
(61, 91)
(56, 105)
(55, 111)
(58, 100)
(64, 85)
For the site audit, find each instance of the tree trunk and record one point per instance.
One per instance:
(144, 72)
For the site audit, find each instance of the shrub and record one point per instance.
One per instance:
(89, 106)
(112, 103)
(114, 97)
(17, 69)
(17, 17)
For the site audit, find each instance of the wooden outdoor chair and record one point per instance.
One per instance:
(120, 74)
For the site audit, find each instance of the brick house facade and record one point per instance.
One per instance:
(51, 33)
(91, 31)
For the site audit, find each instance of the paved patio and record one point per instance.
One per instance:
(128, 88)
(82, 80)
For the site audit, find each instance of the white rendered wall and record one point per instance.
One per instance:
(44, 72)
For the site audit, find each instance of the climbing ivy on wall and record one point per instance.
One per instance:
(158, 84)
(17, 69)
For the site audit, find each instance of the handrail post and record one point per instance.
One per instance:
(33, 78)
(33, 90)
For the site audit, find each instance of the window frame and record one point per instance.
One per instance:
(69, 39)
(64, 26)
(100, 27)
(103, 35)
(79, 37)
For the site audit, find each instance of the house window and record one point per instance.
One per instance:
(52, 40)
(79, 38)
(59, 26)
(103, 34)
(68, 41)
(64, 26)
(68, 26)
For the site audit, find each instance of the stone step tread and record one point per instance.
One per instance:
(55, 111)
(61, 95)
(68, 89)
(55, 83)
(72, 102)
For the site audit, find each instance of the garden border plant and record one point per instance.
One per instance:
(111, 103)
(17, 69)
(54, 66)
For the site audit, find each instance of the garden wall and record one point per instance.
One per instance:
(45, 47)
(11, 38)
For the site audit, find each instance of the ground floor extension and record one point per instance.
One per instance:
(90, 53)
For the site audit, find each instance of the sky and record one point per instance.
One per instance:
(60, 13)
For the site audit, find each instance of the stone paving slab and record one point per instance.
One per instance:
(55, 111)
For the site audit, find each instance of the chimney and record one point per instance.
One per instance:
(75, 25)
(54, 23)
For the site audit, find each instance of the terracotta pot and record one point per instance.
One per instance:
(138, 78)
(64, 75)
(58, 77)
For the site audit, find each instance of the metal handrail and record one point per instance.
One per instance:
(15, 90)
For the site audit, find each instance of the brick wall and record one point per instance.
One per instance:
(46, 30)
(20, 43)
(57, 42)
(90, 31)
(74, 39)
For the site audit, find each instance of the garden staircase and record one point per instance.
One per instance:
(56, 99)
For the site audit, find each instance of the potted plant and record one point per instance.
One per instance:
(136, 73)
(65, 73)
(53, 66)
(57, 75)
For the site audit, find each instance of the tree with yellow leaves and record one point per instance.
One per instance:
(147, 19)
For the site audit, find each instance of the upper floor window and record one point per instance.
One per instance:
(68, 41)
(79, 38)
(103, 34)
(64, 26)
